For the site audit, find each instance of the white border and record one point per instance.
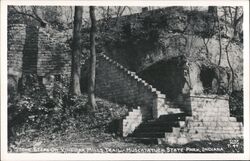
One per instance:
(175, 156)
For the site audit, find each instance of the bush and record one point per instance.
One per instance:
(56, 113)
(33, 108)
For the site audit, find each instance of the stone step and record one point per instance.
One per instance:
(171, 140)
(222, 136)
(209, 113)
(172, 117)
(211, 118)
(196, 130)
(154, 129)
(210, 109)
(149, 134)
(214, 124)
(174, 110)
(182, 140)
(159, 94)
(171, 134)
(134, 111)
(237, 132)
(132, 114)
(174, 140)
(146, 140)
(159, 124)
(176, 131)
(131, 120)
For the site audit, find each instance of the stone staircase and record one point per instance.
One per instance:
(213, 123)
(151, 103)
(159, 120)
(153, 130)
(133, 124)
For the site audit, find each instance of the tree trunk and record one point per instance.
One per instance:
(219, 28)
(235, 23)
(230, 66)
(91, 90)
(76, 46)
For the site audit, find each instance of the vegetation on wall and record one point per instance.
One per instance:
(173, 32)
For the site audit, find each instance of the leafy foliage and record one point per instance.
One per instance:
(34, 112)
(236, 104)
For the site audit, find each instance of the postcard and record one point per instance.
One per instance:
(124, 80)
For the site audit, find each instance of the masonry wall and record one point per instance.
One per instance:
(211, 119)
(30, 52)
(35, 50)
(54, 55)
(116, 83)
(39, 51)
(16, 42)
(190, 103)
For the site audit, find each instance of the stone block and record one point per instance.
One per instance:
(171, 140)
(182, 140)
(232, 119)
(176, 131)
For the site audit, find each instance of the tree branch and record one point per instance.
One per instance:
(36, 17)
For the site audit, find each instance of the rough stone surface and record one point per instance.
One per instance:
(16, 42)
(140, 40)
(36, 51)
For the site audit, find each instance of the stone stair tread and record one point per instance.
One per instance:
(174, 110)
(147, 140)
(154, 129)
(149, 134)
(173, 124)
(172, 117)
(160, 124)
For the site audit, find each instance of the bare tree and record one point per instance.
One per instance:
(219, 28)
(32, 12)
(236, 21)
(92, 73)
(235, 18)
(57, 17)
(76, 52)
(229, 64)
(206, 47)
